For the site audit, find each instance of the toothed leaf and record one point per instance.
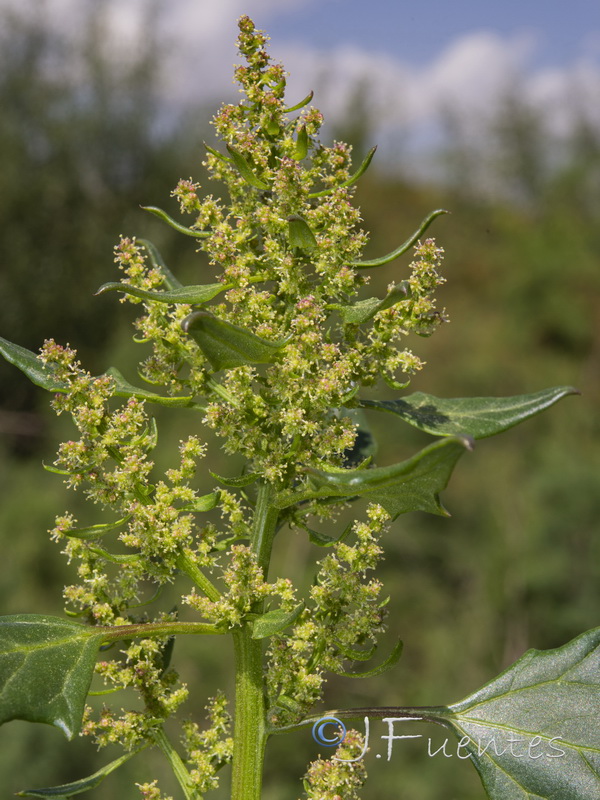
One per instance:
(46, 666)
(534, 731)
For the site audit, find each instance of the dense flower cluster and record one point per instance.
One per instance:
(270, 356)
(337, 778)
(345, 613)
(285, 251)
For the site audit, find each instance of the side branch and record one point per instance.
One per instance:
(150, 629)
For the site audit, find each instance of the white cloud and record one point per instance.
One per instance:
(470, 76)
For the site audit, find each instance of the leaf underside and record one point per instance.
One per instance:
(534, 732)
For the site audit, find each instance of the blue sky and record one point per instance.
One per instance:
(417, 32)
(413, 56)
(414, 59)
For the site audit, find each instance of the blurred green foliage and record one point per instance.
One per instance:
(516, 566)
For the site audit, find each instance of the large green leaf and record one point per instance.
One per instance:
(475, 416)
(46, 666)
(412, 485)
(533, 733)
(226, 345)
(78, 787)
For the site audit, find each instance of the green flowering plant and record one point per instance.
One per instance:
(272, 357)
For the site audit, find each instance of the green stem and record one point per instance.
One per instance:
(250, 728)
(186, 564)
(265, 526)
(148, 629)
(177, 765)
(250, 735)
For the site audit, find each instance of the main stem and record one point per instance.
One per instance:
(250, 735)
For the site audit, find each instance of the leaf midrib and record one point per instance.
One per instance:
(544, 737)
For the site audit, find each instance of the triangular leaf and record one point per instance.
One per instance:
(46, 666)
(275, 621)
(78, 787)
(226, 345)
(533, 733)
(475, 416)
(189, 295)
(412, 485)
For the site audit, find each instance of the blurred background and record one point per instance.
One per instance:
(489, 110)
